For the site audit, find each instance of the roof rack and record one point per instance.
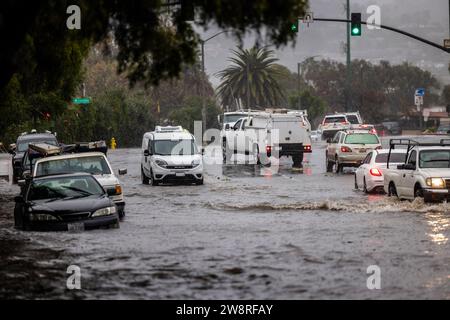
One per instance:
(168, 128)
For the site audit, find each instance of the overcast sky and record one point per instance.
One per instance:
(428, 19)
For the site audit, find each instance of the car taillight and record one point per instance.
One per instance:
(375, 172)
(307, 147)
(269, 150)
(345, 149)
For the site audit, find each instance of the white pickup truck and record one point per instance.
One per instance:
(425, 173)
(265, 135)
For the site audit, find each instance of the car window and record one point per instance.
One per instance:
(412, 158)
(367, 158)
(434, 159)
(353, 119)
(93, 165)
(334, 119)
(336, 137)
(237, 124)
(395, 158)
(341, 139)
(64, 187)
(361, 138)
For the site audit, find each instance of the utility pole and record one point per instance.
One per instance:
(248, 87)
(298, 86)
(348, 76)
(202, 85)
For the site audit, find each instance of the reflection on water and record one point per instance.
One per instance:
(439, 224)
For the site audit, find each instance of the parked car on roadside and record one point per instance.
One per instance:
(21, 147)
(64, 203)
(370, 174)
(349, 148)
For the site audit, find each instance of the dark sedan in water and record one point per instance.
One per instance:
(64, 202)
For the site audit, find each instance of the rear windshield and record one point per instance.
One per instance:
(395, 158)
(353, 119)
(361, 138)
(334, 120)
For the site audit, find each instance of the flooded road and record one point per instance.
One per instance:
(247, 233)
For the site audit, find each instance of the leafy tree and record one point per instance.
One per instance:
(251, 79)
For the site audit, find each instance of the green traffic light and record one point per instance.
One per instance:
(356, 31)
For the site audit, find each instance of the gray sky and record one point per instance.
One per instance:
(428, 19)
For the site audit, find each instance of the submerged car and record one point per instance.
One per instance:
(64, 203)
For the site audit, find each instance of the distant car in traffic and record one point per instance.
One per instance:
(21, 147)
(443, 129)
(370, 174)
(333, 123)
(393, 127)
(349, 148)
(316, 135)
(64, 203)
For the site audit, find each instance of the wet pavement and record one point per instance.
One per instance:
(247, 233)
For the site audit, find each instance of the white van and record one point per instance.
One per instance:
(170, 154)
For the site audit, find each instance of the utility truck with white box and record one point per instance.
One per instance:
(268, 134)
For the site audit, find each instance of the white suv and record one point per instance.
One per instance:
(170, 154)
(349, 148)
(332, 124)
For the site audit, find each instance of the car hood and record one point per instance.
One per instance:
(107, 180)
(68, 206)
(179, 160)
(436, 172)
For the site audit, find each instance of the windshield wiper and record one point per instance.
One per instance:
(84, 192)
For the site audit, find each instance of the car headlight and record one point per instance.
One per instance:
(118, 189)
(437, 183)
(104, 212)
(161, 163)
(42, 217)
(195, 163)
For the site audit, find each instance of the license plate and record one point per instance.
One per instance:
(362, 150)
(75, 227)
(180, 174)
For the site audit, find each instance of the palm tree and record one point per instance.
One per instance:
(250, 80)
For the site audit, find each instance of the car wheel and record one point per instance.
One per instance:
(356, 183)
(392, 191)
(298, 161)
(199, 182)
(338, 166)
(418, 192)
(328, 164)
(256, 154)
(144, 178)
(154, 181)
(365, 186)
(121, 214)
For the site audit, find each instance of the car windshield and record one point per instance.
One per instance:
(334, 119)
(361, 138)
(434, 159)
(395, 158)
(64, 187)
(22, 146)
(92, 164)
(230, 118)
(353, 119)
(183, 147)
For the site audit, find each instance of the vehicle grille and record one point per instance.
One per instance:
(75, 216)
(179, 167)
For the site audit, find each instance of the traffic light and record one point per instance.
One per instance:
(356, 24)
(294, 26)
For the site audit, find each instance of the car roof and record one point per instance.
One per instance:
(36, 136)
(175, 135)
(383, 151)
(358, 131)
(71, 156)
(431, 147)
(64, 175)
(335, 115)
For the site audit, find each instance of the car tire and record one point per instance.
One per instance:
(356, 183)
(392, 190)
(418, 192)
(328, 163)
(365, 186)
(298, 161)
(256, 154)
(154, 181)
(144, 178)
(338, 166)
(199, 182)
(121, 214)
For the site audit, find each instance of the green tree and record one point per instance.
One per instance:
(251, 79)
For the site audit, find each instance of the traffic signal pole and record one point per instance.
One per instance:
(349, 61)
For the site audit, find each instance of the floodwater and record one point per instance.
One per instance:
(247, 233)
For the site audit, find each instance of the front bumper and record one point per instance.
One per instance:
(88, 224)
(436, 194)
(174, 175)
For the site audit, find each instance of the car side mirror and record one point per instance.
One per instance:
(21, 183)
(409, 166)
(328, 140)
(448, 132)
(111, 191)
(146, 153)
(19, 199)
(122, 172)
(26, 175)
(227, 126)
